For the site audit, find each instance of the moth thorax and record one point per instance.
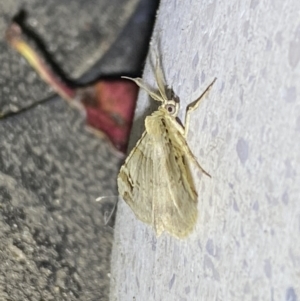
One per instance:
(155, 124)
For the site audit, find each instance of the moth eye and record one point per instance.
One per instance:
(171, 109)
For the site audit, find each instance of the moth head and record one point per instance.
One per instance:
(172, 107)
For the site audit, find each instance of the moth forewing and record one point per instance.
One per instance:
(132, 180)
(174, 203)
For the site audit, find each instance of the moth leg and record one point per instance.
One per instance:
(203, 170)
(192, 158)
(193, 106)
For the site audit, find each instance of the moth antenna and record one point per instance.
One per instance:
(160, 79)
(142, 85)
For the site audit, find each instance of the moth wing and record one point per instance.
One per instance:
(174, 195)
(135, 182)
(156, 181)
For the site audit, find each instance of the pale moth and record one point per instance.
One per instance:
(155, 180)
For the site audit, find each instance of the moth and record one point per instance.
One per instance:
(156, 180)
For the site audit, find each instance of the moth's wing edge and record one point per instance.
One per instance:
(131, 174)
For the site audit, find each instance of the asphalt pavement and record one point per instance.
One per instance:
(54, 244)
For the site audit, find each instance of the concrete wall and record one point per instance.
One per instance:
(246, 134)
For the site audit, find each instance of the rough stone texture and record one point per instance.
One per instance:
(53, 241)
(75, 33)
(246, 134)
(54, 245)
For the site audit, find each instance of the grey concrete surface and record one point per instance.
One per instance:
(53, 241)
(76, 34)
(246, 134)
(53, 245)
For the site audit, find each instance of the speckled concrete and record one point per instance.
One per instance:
(75, 33)
(54, 244)
(246, 134)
